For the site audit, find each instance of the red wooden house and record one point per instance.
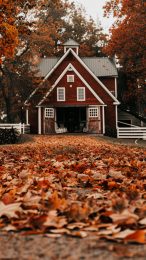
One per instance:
(80, 94)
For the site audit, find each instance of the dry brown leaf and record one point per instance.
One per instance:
(81, 234)
(142, 221)
(10, 210)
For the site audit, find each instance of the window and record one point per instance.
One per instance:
(93, 112)
(60, 94)
(70, 78)
(49, 112)
(81, 94)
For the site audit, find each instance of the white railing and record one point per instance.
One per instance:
(130, 125)
(21, 128)
(132, 131)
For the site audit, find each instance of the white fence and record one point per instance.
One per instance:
(21, 128)
(131, 131)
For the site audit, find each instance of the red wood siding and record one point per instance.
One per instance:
(85, 74)
(108, 82)
(71, 93)
(33, 120)
(110, 117)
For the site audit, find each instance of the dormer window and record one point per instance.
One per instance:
(70, 78)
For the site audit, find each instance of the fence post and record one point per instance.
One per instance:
(117, 132)
(20, 128)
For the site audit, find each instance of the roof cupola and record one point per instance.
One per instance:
(71, 44)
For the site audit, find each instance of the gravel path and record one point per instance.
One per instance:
(16, 246)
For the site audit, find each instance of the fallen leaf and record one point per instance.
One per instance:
(138, 236)
(10, 210)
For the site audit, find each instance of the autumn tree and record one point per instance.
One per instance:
(84, 30)
(127, 42)
(17, 75)
(40, 24)
(8, 30)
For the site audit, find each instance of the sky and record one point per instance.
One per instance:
(94, 9)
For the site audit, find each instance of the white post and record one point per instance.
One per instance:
(27, 121)
(20, 128)
(103, 119)
(39, 121)
(116, 108)
(116, 91)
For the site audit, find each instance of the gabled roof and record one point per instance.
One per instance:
(71, 42)
(116, 102)
(82, 79)
(101, 67)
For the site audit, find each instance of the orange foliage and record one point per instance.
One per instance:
(127, 39)
(8, 30)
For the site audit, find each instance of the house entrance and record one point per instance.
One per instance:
(72, 118)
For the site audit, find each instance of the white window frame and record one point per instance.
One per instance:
(93, 112)
(70, 78)
(58, 98)
(49, 112)
(78, 97)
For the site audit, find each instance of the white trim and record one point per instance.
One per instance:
(103, 119)
(55, 113)
(90, 110)
(26, 101)
(27, 118)
(93, 75)
(58, 63)
(116, 94)
(82, 79)
(39, 121)
(68, 78)
(78, 98)
(116, 108)
(58, 89)
(85, 66)
(51, 114)
(87, 119)
(71, 47)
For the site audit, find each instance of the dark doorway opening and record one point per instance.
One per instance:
(73, 118)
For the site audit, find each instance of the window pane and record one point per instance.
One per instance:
(93, 112)
(80, 94)
(49, 112)
(70, 78)
(61, 94)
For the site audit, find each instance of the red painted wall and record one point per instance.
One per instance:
(71, 92)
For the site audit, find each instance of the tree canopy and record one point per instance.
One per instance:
(127, 41)
(8, 30)
(37, 27)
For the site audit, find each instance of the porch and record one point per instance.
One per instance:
(71, 119)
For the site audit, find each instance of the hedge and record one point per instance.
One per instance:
(9, 136)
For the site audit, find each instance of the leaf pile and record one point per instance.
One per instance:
(74, 185)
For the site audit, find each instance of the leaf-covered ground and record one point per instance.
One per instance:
(75, 186)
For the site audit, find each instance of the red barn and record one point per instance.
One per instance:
(80, 94)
